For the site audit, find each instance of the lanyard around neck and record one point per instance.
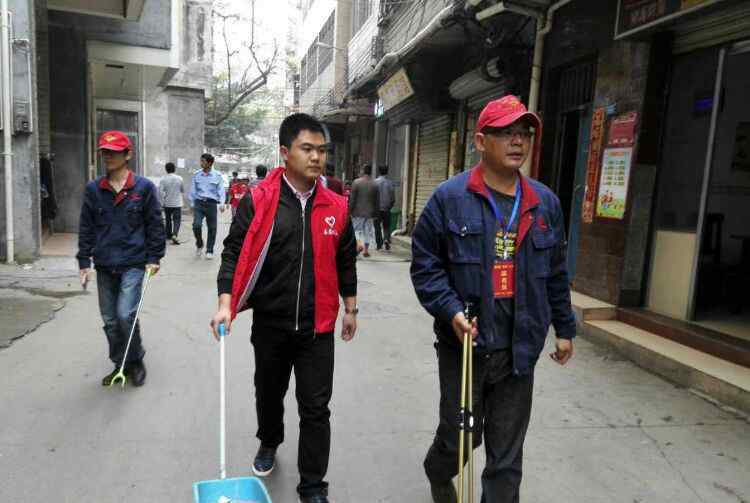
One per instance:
(514, 213)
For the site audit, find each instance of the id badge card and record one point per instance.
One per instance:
(503, 279)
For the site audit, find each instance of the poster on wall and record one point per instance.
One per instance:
(613, 185)
(592, 165)
(741, 157)
(622, 130)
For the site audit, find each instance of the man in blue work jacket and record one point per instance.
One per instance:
(493, 237)
(122, 230)
(207, 193)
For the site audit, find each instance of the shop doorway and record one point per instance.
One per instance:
(723, 266)
(701, 245)
(574, 128)
(571, 131)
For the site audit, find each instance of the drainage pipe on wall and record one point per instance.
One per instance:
(5, 54)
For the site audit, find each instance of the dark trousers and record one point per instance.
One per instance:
(207, 210)
(119, 292)
(277, 352)
(383, 228)
(502, 408)
(173, 218)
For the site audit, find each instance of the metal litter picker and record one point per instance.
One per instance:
(120, 376)
(224, 490)
(466, 416)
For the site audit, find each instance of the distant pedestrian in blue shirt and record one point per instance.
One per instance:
(206, 193)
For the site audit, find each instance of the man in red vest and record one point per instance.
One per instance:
(290, 253)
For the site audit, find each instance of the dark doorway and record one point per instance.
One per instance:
(570, 124)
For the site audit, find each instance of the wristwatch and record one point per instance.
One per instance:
(354, 311)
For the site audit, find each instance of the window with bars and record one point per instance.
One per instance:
(319, 54)
(303, 75)
(312, 65)
(362, 9)
(325, 38)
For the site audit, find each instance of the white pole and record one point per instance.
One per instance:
(536, 67)
(7, 131)
(223, 407)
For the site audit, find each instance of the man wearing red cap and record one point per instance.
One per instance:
(122, 230)
(493, 238)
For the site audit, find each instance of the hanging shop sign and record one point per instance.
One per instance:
(395, 90)
(613, 185)
(592, 166)
(622, 130)
(636, 15)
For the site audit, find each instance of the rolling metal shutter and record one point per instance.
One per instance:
(726, 25)
(432, 168)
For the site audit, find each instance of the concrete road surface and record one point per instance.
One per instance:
(602, 429)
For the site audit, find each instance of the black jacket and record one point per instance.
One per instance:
(284, 295)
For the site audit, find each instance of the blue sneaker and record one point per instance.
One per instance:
(265, 461)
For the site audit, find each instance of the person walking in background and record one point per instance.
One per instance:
(206, 194)
(236, 192)
(333, 183)
(289, 256)
(387, 198)
(260, 173)
(363, 207)
(122, 230)
(171, 189)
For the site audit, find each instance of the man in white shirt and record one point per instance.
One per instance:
(171, 190)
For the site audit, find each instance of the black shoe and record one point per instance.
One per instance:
(264, 461)
(387, 246)
(443, 493)
(175, 240)
(136, 372)
(314, 498)
(108, 378)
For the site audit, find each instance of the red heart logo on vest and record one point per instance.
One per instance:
(331, 221)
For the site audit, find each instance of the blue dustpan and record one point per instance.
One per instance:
(224, 490)
(238, 490)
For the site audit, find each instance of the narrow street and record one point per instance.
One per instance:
(603, 430)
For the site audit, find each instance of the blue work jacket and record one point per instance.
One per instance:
(123, 229)
(453, 248)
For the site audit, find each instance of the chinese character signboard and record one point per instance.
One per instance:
(592, 167)
(613, 186)
(622, 130)
(635, 15)
(395, 90)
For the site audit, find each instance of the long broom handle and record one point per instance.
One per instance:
(462, 430)
(135, 320)
(222, 406)
(470, 407)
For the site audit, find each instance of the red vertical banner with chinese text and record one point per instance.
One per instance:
(592, 166)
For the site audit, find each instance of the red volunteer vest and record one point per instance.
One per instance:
(328, 221)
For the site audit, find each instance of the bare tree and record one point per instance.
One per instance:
(240, 81)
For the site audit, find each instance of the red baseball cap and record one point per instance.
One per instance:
(504, 112)
(115, 140)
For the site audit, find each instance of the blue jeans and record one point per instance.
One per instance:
(207, 210)
(119, 292)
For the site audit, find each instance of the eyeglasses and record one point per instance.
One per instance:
(510, 134)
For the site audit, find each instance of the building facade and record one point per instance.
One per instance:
(143, 67)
